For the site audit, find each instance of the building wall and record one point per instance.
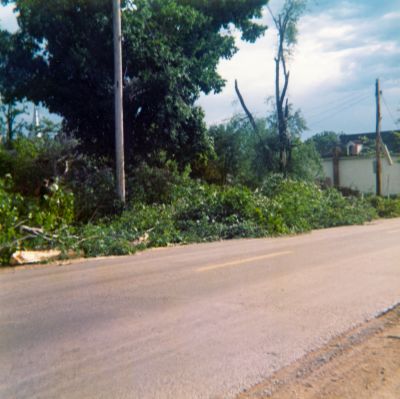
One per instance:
(358, 173)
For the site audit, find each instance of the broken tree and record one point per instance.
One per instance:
(286, 25)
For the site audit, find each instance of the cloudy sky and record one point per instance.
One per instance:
(343, 46)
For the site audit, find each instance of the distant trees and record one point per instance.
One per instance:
(325, 142)
(11, 125)
(62, 56)
(241, 155)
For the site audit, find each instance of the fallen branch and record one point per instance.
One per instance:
(37, 232)
(11, 244)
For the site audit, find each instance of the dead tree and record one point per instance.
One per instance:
(285, 23)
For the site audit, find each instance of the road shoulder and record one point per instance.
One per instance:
(364, 363)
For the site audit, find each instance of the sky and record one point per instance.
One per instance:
(343, 47)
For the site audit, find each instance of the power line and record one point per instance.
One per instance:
(349, 97)
(340, 110)
(390, 112)
(343, 104)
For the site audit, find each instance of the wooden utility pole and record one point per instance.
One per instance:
(378, 139)
(118, 104)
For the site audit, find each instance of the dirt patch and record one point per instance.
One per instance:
(362, 364)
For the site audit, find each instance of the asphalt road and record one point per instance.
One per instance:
(200, 321)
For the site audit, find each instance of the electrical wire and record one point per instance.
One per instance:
(342, 105)
(350, 97)
(390, 112)
(346, 106)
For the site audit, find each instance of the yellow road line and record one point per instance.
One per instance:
(242, 261)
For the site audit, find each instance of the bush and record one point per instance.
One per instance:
(205, 212)
(386, 207)
(165, 206)
(9, 219)
(31, 160)
(304, 206)
(53, 215)
(93, 184)
(160, 184)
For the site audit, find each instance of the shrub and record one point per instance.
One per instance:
(304, 206)
(160, 184)
(386, 207)
(53, 215)
(9, 219)
(32, 159)
(93, 183)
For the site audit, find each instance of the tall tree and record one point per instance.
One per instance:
(286, 24)
(62, 56)
(11, 123)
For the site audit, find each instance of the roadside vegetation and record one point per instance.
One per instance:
(166, 205)
(249, 177)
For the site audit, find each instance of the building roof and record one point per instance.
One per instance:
(390, 137)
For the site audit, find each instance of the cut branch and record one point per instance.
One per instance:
(246, 110)
(251, 118)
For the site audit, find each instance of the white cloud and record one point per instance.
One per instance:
(341, 50)
(391, 16)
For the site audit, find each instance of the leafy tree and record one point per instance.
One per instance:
(325, 142)
(241, 156)
(11, 125)
(62, 56)
(306, 161)
(234, 148)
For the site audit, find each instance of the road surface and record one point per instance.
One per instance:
(200, 321)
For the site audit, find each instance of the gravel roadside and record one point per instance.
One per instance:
(364, 363)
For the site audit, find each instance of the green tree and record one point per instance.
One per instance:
(11, 123)
(325, 142)
(248, 158)
(234, 148)
(62, 56)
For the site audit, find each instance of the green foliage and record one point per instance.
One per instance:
(386, 207)
(291, 11)
(32, 159)
(9, 218)
(53, 215)
(306, 162)
(203, 212)
(159, 183)
(244, 157)
(60, 56)
(93, 183)
(304, 206)
(325, 142)
(11, 123)
(29, 160)
(165, 206)
(234, 146)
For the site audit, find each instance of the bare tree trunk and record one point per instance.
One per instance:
(251, 119)
(246, 110)
(282, 109)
